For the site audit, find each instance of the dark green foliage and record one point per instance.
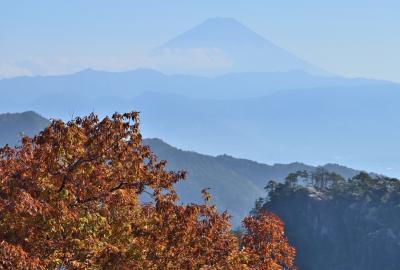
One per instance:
(340, 224)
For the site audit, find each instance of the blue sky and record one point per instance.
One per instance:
(351, 38)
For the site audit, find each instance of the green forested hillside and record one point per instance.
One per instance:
(234, 183)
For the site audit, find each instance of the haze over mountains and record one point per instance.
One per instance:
(352, 122)
(285, 115)
(220, 45)
(92, 84)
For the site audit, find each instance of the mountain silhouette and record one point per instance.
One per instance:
(226, 45)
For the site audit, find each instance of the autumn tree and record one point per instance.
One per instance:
(266, 243)
(70, 198)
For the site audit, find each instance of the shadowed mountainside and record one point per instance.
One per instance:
(234, 183)
(342, 224)
(14, 125)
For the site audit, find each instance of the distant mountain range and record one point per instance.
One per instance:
(235, 183)
(90, 85)
(271, 117)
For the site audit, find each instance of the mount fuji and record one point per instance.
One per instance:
(221, 45)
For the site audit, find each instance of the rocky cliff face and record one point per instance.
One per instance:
(352, 227)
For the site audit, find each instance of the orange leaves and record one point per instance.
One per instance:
(206, 195)
(265, 241)
(14, 257)
(70, 198)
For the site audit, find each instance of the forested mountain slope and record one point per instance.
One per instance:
(234, 183)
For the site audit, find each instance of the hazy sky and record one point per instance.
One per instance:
(352, 38)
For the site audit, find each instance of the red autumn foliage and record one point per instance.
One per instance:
(70, 199)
